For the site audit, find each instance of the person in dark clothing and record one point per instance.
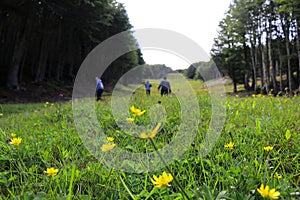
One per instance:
(99, 88)
(148, 87)
(165, 87)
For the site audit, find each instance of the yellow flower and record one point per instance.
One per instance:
(268, 148)
(1, 114)
(162, 181)
(132, 108)
(152, 134)
(46, 103)
(266, 193)
(110, 139)
(51, 171)
(273, 194)
(130, 120)
(229, 145)
(13, 135)
(137, 112)
(107, 147)
(16, 141)
(278, 176)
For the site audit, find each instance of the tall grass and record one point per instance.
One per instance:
(49, 139)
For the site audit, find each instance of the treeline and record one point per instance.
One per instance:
(155, 71)
(202, 71)
(259, 41)
(146, 72)
(48, 39)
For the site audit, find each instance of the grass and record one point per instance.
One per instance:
(50, 139)
(9, 109)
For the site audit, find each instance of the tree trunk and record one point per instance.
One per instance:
(21, 39)
(280, 75)
(286, 30)
(265, 82)
(254, 63)
(59, 52)
(234, 86)
(247, 74)
(298, 49)
(42, 64)
(272, 69)
(259, 59)
(7, 45)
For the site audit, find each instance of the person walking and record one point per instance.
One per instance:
(164, 86)
(99, 88)
(148, 87)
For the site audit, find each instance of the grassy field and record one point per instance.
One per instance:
(259, 144)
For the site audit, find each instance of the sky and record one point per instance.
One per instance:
(196, 19)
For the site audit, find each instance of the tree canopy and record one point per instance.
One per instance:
(48, 39)
(259, 39)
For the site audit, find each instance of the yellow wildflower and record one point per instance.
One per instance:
(107, 147)
(110, 139)
(130, 120)
(229, 145)
(266, 193)
(278, 176)
(162, 181)
(132, 108)
(1, 114)
(16, 141)
(273, 194)
(152, 134)
(51, 171)
(268, 148)
(137, 112)
(13, 135)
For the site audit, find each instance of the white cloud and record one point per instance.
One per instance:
(196, 19)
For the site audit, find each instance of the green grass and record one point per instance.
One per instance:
(49, 139)
(9, 109)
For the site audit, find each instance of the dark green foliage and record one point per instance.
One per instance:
(260, 40)
(48, 39)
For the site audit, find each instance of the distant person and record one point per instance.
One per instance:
(148, 87)
(164, 87)
(99, 88)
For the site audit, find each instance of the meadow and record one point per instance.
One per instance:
(43, 157)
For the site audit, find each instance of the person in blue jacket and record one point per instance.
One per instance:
(148, 87)
(164, 87)
(99, 88)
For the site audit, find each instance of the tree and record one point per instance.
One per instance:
(263, 34)
(47, 40)
(190, 72)
(233, 63)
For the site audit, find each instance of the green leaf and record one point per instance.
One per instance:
(39, 195)
(287, 134)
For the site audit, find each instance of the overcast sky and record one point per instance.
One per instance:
(196, 19)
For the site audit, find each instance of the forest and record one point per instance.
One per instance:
(258, 45)
(47, 40)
